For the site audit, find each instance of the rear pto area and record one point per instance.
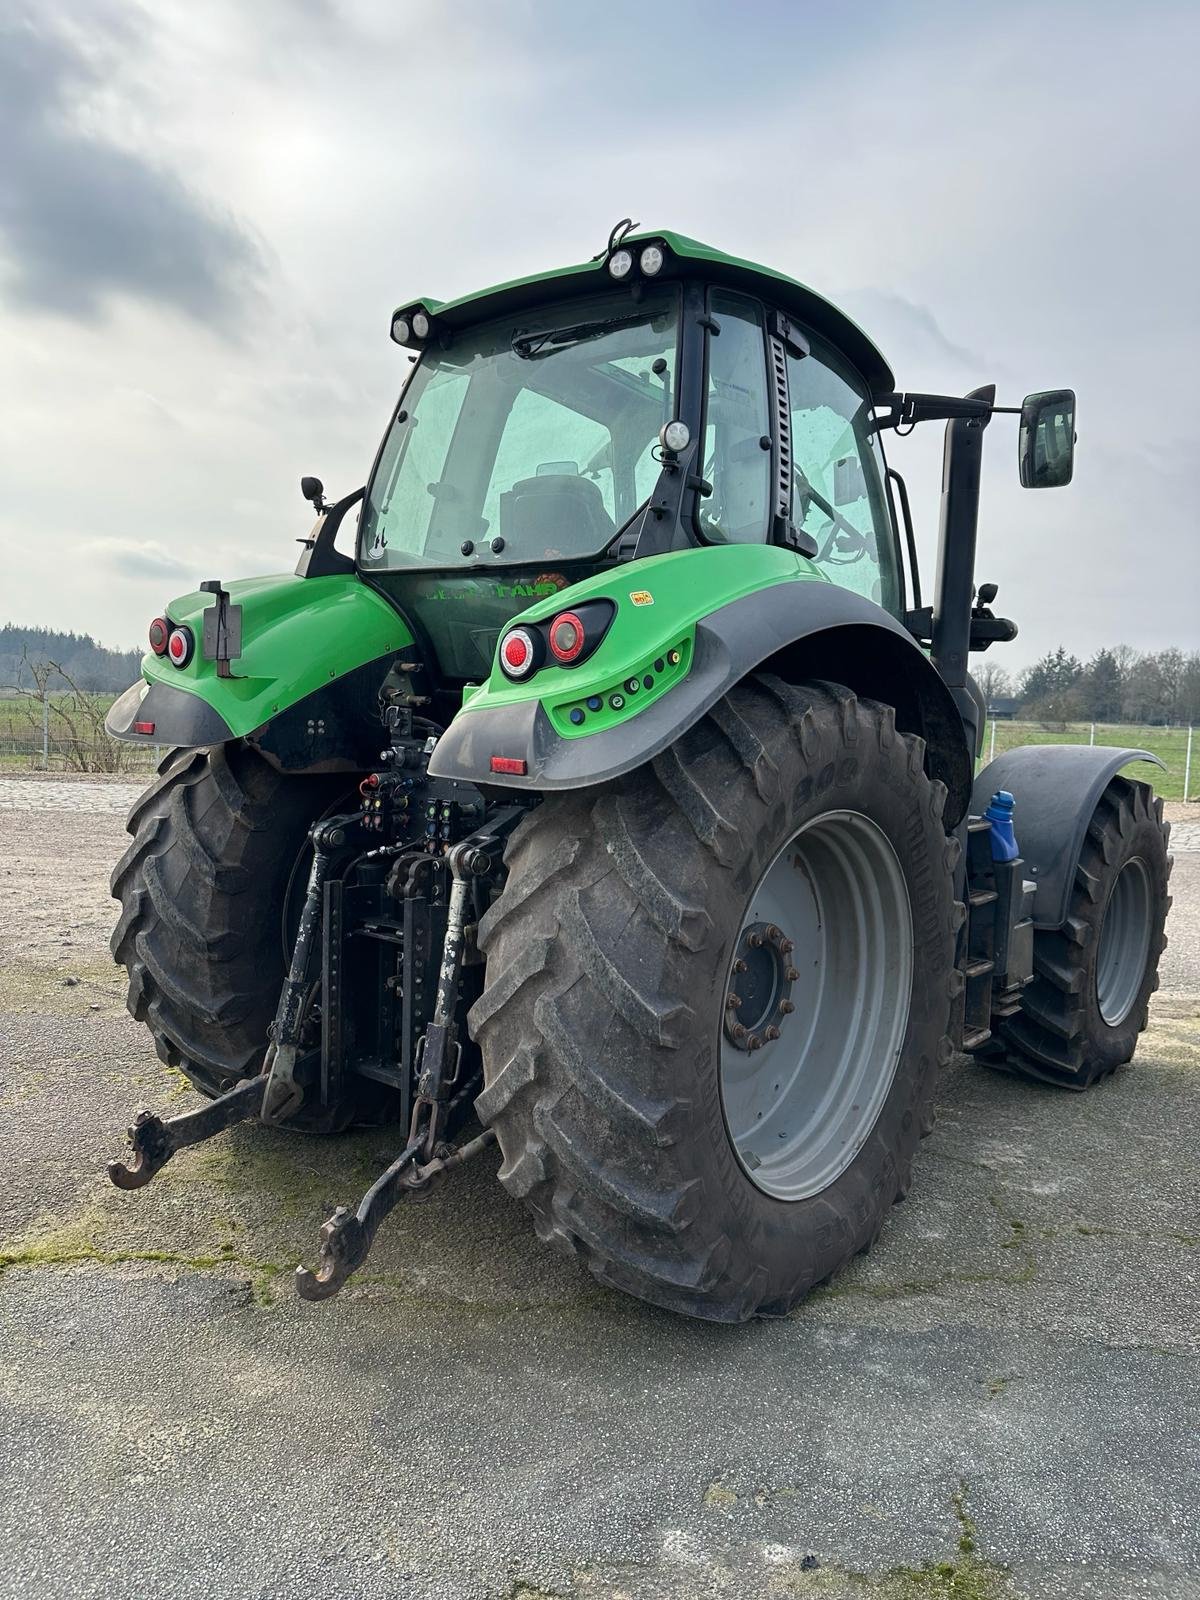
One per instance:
(620, 793)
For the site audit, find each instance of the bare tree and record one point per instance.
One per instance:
(994, 683)
(70, 718)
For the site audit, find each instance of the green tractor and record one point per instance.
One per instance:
(615, 802)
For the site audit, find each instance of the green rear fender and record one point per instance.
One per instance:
(314, 650)
(688, 626)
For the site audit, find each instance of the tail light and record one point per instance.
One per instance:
(519, 652)
(160, 632)
(181, 646)
(567, 637)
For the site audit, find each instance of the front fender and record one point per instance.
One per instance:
(785, 618)
(1056, 788)
(309, 646)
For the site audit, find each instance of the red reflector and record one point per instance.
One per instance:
(160, 630)
(143, 727)
(566, 636)
(516, 651)
(513, 764)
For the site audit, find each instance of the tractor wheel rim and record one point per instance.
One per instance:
(1124, 943)
(821, 1001)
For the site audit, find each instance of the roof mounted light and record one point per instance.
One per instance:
(401, 330)
(420, 324)
(620, 264)
(652, 260)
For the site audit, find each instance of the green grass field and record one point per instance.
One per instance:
(1168, 744)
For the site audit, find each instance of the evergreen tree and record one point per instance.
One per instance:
(1101, 687)
(1046, 686)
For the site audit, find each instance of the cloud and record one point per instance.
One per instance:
(81, 217)
(902, 323)
(135, 558)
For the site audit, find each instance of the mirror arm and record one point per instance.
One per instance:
(906, 410)
(319, 559)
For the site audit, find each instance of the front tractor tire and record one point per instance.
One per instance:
(782, 870)
(1089, 1001)
(202, 889)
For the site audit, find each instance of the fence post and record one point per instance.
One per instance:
(1187, 765)
(45, 731)
(1092, 740)
(992, 750)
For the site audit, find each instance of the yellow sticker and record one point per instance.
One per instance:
(642, 597)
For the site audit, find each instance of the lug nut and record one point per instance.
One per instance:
(738, 1031)
(733, 1002)
(791, 974)
(755, 940)
(772, 1032)
(786, 1007)
(772, 932)
(786, 946)
(739, 965)
(754, 1042)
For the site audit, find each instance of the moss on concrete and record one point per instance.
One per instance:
(72, 987)
(968, 1576)
(79, 1241)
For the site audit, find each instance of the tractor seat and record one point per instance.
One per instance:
(554, 514)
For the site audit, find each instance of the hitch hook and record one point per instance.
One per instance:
(155, 1139)
(347, 1237)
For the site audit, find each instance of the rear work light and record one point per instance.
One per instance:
(567, 637)
(160, 632)
(519, 652)
(181, 646)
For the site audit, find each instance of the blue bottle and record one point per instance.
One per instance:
(1000, 815)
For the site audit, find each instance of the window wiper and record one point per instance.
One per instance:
(530, 346)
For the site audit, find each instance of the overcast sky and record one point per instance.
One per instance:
(208, 213)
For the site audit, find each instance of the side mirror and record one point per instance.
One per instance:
(849, 481)
(313, 489)
(1047, 440)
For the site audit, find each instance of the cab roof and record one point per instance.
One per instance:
(694, 259)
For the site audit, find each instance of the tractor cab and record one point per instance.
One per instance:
(657, 398)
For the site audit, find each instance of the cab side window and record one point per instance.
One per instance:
(737, 419)
(837, 488)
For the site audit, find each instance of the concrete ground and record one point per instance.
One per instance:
(1002, 1400)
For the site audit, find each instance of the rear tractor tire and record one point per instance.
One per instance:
(717, 994)
(202, 889)
(1089, 1000)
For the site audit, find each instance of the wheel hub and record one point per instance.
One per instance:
(760, 986)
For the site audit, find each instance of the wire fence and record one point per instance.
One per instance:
(32, 753)
(1176, 748)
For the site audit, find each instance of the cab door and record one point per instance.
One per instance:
(838, 493)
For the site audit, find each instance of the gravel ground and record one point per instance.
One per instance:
(1002, 1400)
